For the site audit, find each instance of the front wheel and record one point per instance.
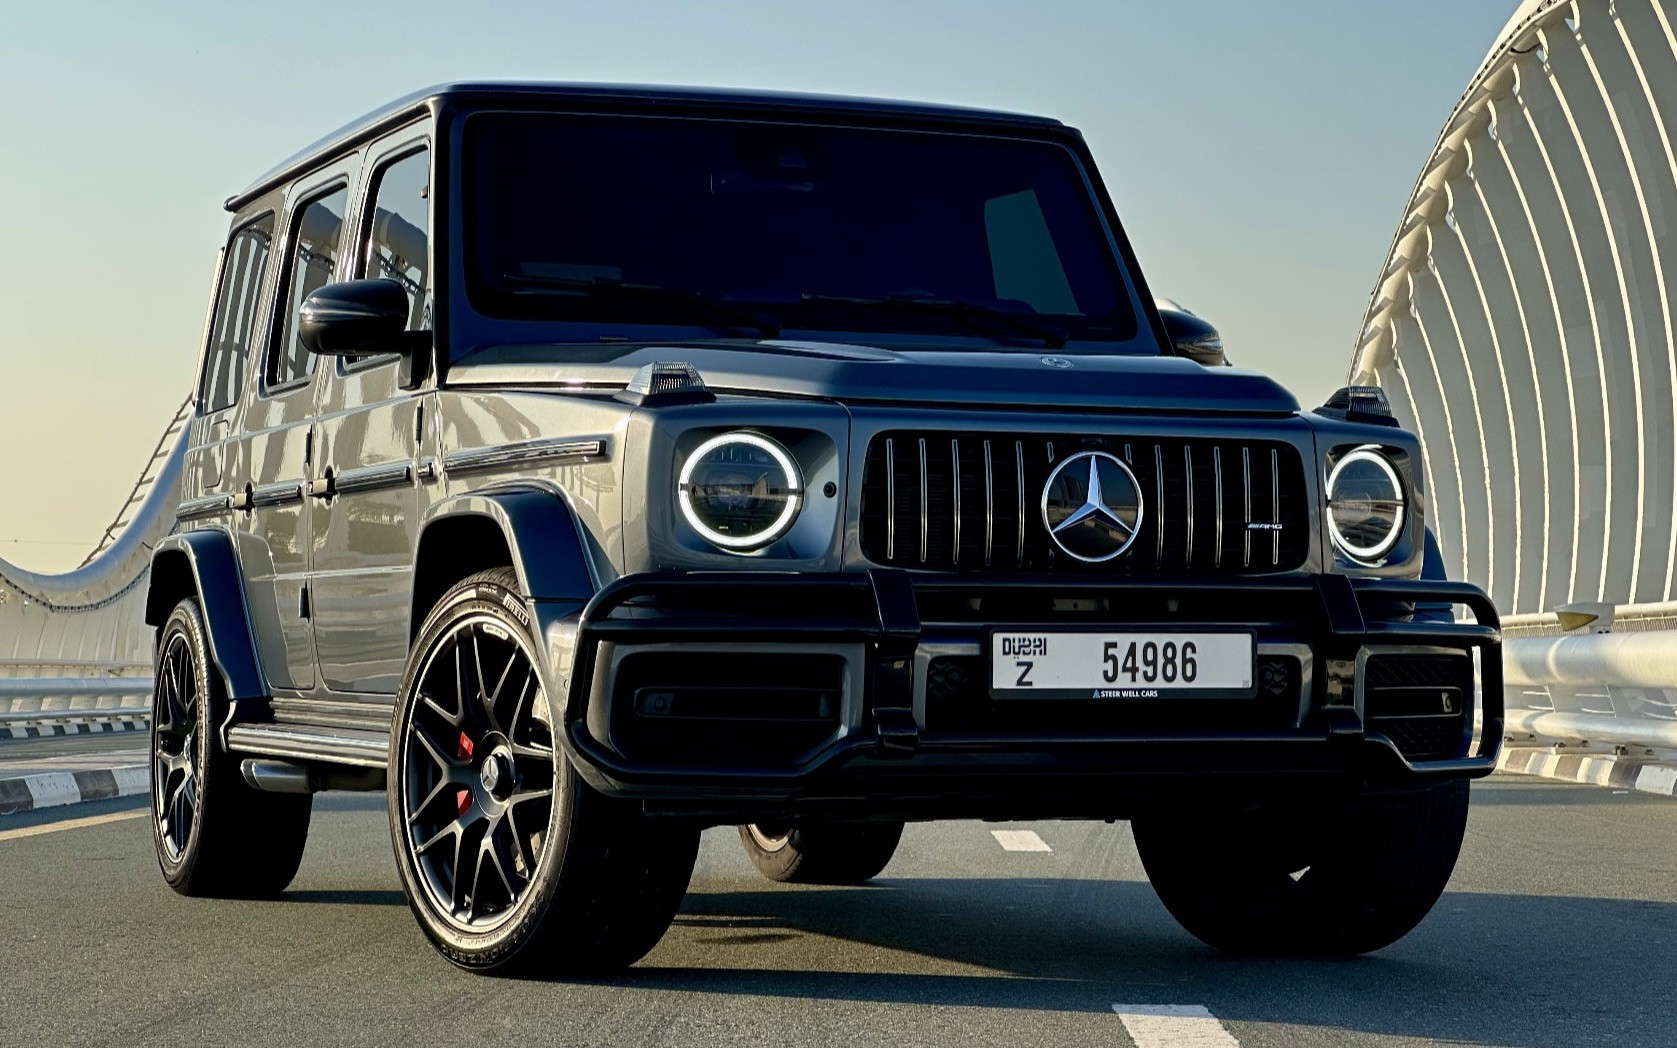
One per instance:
(510, 862)
(821, 853)
(1335, 880)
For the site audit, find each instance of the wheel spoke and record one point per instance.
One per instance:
(520, 851)
(493, 850)
(523, 796)
(466, 894)
(453, 719)
(454, 828)
(446, 785)
(492, 701)
(448, 765)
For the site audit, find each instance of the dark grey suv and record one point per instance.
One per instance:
(588, 465)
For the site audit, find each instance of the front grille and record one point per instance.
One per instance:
(944, 501)
(1423, 703)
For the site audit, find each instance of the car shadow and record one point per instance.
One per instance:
(1494, 969)
(349, 897)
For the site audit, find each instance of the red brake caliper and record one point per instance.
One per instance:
(463, 799)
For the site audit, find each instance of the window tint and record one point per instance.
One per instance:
(235, 312)
(313, 259)
(824, 228)
(399, 233)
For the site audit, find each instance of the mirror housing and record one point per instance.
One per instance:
(1191, 336)
(355, 318)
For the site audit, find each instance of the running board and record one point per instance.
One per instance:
(363, 749)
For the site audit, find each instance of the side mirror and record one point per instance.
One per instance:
(355, 318)
(1192, 337)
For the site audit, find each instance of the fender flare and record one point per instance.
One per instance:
(204, 562)
(541, 534)
(545, 544)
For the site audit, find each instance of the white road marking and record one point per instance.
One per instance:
(1020, 840)
(1173, 1026)
(69, 824)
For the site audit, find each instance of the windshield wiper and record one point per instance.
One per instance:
(977, 315)
(720, 314)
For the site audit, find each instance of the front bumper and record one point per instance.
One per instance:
(897, 742)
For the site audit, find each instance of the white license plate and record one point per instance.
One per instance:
(1089, 665)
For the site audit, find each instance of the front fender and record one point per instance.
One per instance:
(203, 564)
(544, 545)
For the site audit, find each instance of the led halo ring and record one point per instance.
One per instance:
(1368, 453)
(782, 524)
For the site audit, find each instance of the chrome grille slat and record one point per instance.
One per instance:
(1217, 472)
(890, 500)
(925, 510)
(955, 475)
(989, 504)
(1019, 458)
(1275, 506)
(1246, 486)
(1188, 461)
(1159, 501)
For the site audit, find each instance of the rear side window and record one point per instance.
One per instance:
(399, 232)
(315, 241)
(235, 314)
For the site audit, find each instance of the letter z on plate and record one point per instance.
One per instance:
(1105, 665)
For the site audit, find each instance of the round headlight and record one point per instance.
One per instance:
(1365, 504)
(740, 490)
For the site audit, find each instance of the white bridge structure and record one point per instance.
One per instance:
(1523, 326)
(75, 652)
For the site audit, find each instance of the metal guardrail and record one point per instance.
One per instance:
(47, 701)
(1616, 688)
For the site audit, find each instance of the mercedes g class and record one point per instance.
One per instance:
(586, 466)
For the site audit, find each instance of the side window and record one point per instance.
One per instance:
(235, 314)
(315, 241)
(399, 232)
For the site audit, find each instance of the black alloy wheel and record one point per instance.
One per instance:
(477, 788)
(174, 748)
(511, 863)
(821, 853)
(215, 834)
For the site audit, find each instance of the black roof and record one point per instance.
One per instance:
(395, 113)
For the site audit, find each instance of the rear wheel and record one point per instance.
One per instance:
(1335, 881)
(215, 835)
(509, 860)
(821, 853)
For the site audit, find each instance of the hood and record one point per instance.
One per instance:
(842, 372)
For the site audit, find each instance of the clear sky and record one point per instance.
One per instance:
(1260, 155)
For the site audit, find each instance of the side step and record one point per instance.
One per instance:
(353, 746)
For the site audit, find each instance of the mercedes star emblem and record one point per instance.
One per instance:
(1092, 506)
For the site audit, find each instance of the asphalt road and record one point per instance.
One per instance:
(1560, 929)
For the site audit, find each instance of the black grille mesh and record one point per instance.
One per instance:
(948, 501)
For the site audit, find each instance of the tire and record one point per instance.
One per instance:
(822, 853)
(215, 834)
(1335, 882)
(510, 862)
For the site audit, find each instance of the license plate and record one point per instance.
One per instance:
(1090, 665)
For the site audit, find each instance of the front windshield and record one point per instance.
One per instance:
(752, 229)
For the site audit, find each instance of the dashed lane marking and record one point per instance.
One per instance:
(1020, 840)
(69, 824)
(1173, 1026)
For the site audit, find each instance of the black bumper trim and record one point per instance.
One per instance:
(720, 610)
